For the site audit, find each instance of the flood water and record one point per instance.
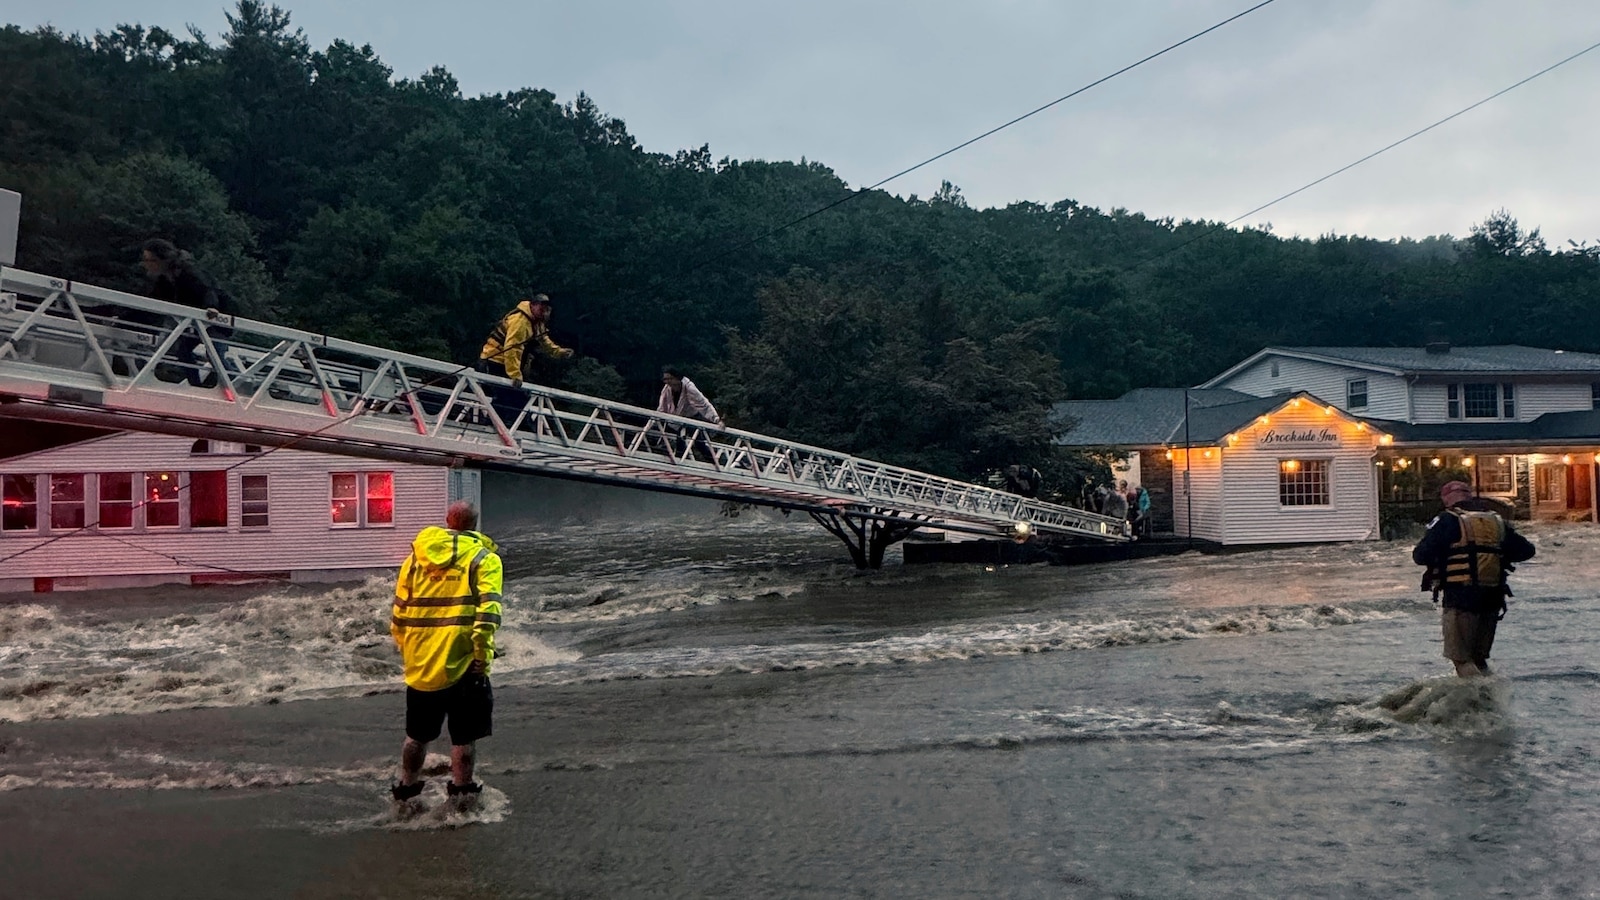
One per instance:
(693, 705)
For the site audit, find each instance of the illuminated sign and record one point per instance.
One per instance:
(1298, 437)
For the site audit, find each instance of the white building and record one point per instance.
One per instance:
(1520, 423)
(133, 509)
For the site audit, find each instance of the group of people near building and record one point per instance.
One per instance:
(1123, 502)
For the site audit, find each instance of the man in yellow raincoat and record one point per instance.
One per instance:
(526, 325)
(446, 610)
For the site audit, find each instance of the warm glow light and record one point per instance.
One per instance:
(1295, 402)
(1437, 461)
(1403, 463)
(1263, 420)
(1290, 465)
(1503, 459)
(1169, 454)
(1361, 426)
(1328, 410)
(1207, 454)
(1379, 463)
(1234, 439)
(1467, 461)
(1567, 459)
(164, 476)
(1597, 457)
(1386, 440)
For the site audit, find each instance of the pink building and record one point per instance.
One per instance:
(135, 509)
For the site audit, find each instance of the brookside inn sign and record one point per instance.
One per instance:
(1298, 438)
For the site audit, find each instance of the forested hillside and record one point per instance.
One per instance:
(326, 193)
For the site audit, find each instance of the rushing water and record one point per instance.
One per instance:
(693, 705)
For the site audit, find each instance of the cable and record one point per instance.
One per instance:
(967, 143)
(1418, 133)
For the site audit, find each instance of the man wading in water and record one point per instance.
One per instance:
(1468, 551)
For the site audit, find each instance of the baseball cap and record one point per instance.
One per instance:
(1453, 492)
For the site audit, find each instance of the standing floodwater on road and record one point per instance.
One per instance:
(699, 706)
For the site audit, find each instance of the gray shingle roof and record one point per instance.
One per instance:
(1502, 358)
(1576, 427)
(1153, 417)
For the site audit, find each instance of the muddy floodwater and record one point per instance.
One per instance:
(693, 705)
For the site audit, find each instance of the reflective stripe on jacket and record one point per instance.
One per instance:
(1475, 557)
(447, 606)
(511, 337)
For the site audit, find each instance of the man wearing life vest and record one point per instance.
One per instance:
(1469, 550)
(446, 610)
(526, 325)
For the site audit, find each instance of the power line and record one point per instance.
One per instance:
(967, 143)
(1341, 170)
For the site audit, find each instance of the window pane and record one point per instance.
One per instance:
(66, 502)
(19, 495)
(208, 499)
(380, 498)
(1356, 394)
(253, 500)
(161, 499)
(1508, 397)
(1494, 474)
(1482, 401)
(1303, 482)
(346, 509)
(1594, 395)
(116, 500)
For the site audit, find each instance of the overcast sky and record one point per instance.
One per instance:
(868, 87)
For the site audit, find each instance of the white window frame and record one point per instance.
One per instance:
(40, 510)
(1350, 393)
(135, 482)
(1505, 401)
(245, 504)
(1327, 482)
(361, 476)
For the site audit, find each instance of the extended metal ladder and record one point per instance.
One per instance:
(77, 353)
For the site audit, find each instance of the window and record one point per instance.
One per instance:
(1355, 393)
(66, 502)
(253, 501)
(208, 499)
(346, 499)
(1494, 475)
(1303, 482)
(380, 498)
(1594, 395)
(1481, 400)
(116, 500)
(362, 499)
(162, 499)
(1274, 368)
(19, 494)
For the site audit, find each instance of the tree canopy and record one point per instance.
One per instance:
(326, 193)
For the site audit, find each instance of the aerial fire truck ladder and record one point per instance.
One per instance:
(77, 353)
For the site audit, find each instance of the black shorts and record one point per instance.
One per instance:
(468, 704)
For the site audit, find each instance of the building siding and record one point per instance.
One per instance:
(1204, 497)
(300, 535)
(1386, 394)
(1254, 514)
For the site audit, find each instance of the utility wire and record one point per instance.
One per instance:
(1339, 171)
(967, 143)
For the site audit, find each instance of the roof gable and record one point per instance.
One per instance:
(1498, 359)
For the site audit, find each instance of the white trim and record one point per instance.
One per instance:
(1288, 354)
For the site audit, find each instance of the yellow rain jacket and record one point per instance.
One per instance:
(447, 606)
(514, 334)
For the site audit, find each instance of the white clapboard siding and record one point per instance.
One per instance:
(300, 535)
(1386, 394)
(1205, 499)
(1537, 398)
(1254, 514)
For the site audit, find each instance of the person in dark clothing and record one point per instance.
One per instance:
(175, 278)
(1469, 550)
(1024, 481)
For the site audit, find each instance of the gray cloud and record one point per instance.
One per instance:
(1243, 115)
